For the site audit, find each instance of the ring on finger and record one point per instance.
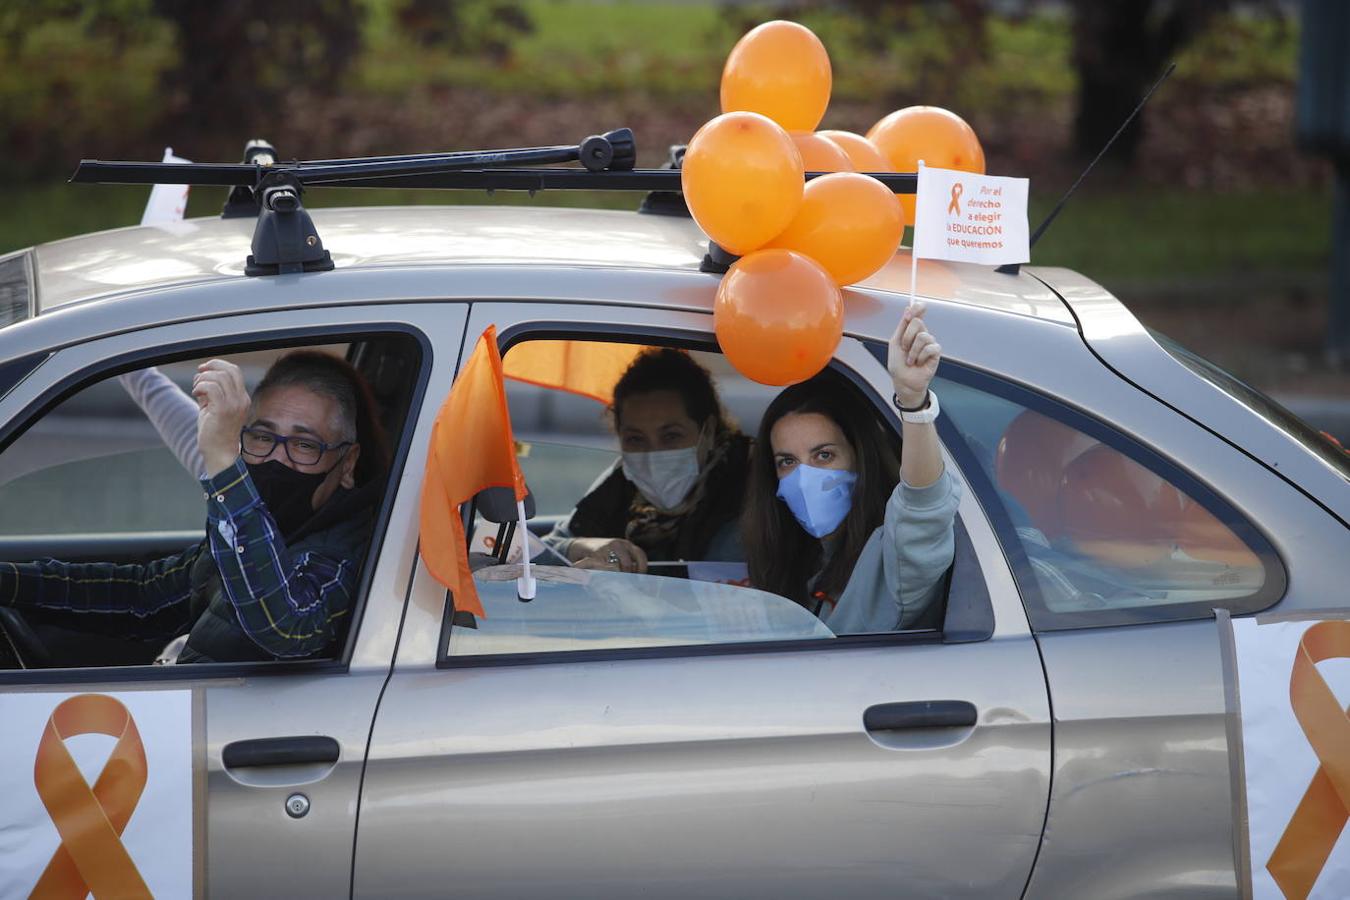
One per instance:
(613, 558)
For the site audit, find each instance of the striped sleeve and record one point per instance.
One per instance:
(108, 588)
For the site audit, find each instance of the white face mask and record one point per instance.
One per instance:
(665, 477)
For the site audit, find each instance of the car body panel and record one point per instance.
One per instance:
(132, 259)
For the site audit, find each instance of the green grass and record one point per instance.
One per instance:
(1159, 234)
(676, 50)
(1145, 235)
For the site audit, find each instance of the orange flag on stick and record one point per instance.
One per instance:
(588, 368)
(472, 448)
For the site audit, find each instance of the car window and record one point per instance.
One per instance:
(1107, 533)
(104, 520)
(570, 455)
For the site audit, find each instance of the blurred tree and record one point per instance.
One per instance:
(240, 57)
(1119, 49)
(58, 93)
(481, 27)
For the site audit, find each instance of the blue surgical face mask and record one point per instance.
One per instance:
(819, 498)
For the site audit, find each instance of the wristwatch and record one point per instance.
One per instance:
(925, 413)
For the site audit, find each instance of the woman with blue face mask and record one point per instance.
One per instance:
(675, 492)
(841, 518)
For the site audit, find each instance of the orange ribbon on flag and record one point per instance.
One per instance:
(91, 857)
(955, 206)
(1312, 832)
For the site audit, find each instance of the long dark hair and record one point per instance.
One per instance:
(781, 556)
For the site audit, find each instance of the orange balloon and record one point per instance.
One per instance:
(1114, 509)
(742, 180)
(820, 154)
(781, 70)
(929, 133)
(778, 316)
(849, 223)
(861, 152)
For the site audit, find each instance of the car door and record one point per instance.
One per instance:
(785, 769)
(275, 750)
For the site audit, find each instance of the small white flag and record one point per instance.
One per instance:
(966, 217)
(168, 202)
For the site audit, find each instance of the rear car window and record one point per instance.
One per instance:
(15, 295)
(1101, 530)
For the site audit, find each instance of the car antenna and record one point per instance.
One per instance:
(1014, 268)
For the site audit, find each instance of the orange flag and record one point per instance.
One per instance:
(472, 448)
(588, 368)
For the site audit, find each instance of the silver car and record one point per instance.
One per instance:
(1060, 733)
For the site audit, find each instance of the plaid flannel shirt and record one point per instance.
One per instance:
(286, 602)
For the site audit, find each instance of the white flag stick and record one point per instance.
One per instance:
(525, 584)
(914, 256)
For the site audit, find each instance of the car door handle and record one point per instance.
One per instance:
(919, 714)
(281, 751)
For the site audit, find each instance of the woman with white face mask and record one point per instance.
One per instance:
(831, 520)
(676, 491)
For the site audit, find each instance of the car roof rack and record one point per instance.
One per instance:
(285, 240)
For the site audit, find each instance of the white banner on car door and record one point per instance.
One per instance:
(97, 794)
(965, 217)
(1289, 739)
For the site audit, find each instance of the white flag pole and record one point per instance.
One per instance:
(525, 584)
(913, 254)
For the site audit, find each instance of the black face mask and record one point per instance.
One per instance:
(288, 494)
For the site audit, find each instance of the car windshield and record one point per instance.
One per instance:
(1317, 441)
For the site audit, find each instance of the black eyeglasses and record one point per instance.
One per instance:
(303, 451)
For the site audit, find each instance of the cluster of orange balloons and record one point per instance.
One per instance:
(779, 312)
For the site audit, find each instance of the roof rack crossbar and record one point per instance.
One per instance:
(503, 179)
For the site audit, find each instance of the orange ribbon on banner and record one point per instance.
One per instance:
(955, 206)
(1321, 815)
(90, 858)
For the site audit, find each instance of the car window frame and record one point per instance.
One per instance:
(292, 338)
(1039, 615)
(974, 620)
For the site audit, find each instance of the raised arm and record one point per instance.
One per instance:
(171, 411)
(912, 361)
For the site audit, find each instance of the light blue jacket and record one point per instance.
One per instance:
(898, 575)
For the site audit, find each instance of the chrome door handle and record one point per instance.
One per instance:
(281, 751)
(919, 714)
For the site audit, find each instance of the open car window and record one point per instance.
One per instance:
(112, 553)
(570, 455)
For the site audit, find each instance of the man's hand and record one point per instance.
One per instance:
(223, 409)
(913, 357)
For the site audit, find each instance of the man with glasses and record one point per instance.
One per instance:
(286, 528)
